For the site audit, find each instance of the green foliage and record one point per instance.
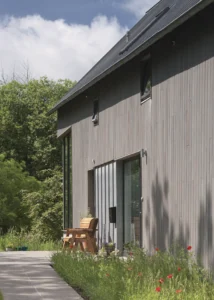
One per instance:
(45, 208)
(29, 146)
(13, 183)
(26, 132)
(136, 277)
(1, 296)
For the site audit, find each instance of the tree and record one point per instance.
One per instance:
(30, 174)
(26, 132)
(45, 208)
(13, 182)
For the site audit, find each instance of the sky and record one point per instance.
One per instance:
(62, 38)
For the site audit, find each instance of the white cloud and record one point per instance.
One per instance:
(138, 7)
(54, 48)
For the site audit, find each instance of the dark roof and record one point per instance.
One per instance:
(166, 14)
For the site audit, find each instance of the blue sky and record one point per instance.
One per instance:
(72, 11)
(62, 38)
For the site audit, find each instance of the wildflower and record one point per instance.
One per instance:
(140, 274)
(189, 248)
(179, 269)
(158, 289)
(157, 249)
(169, 276)
(107, 274)
(129, 269)
(161, 280)
(178, 291)
(130, 253)
(71, 246)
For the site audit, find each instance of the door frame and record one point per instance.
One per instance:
(128, 159)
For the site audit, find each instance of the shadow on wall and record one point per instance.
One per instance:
(165, 231)
(205, 246)
(163, 227)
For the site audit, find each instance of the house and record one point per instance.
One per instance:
(141, 122)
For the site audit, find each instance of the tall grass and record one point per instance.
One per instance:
(139, 277)
(18, 239)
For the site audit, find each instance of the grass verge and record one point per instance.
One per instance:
(1, 296)
(14, 240)
(161, 276)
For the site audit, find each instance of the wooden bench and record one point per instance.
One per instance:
(84, 234)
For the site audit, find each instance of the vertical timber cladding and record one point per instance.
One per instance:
(106, 197)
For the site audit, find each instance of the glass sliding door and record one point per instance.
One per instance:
(67, 181)
(132, 201)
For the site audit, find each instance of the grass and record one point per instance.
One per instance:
(15, 240)
(1, 297)
(161, 276)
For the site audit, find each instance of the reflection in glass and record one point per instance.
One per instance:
(132, 204)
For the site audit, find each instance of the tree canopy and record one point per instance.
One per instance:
(30, 155)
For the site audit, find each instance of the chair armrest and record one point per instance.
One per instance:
(80, 230)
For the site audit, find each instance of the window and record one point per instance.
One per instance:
(146, 78)
(95, 117)
(67, 197)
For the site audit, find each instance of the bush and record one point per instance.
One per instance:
(160, 276)
(45, 207)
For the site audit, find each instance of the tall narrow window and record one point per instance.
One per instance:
(146, 78)
(67, 195)
(95, 116)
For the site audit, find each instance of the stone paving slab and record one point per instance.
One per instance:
(28, 275)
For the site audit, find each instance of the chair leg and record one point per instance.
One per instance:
(64, 244)
(81, 246)
(90, 245)
(93, 242)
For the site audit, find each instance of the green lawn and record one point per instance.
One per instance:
(161, 276)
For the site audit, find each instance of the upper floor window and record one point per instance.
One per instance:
(146, 78)
(95, 117)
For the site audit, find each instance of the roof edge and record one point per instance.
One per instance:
(160, 34)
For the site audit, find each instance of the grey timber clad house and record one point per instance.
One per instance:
(141, 122)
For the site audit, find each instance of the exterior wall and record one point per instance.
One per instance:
(180, 206)
(176, 127)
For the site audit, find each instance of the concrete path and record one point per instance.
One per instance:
(27, 275)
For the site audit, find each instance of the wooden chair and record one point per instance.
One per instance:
(84, 234)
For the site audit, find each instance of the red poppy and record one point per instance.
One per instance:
(107, 274)
(158, 289)
(71, 246)
(140, 274)
(179, 269)
(161, 280)
(130, 253)
(157, 249)
(129, 269)
(178, 291)
(170, 276)
(189, 247)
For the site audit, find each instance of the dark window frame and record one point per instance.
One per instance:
(67, 176)
(95, 116)
(145, 77)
